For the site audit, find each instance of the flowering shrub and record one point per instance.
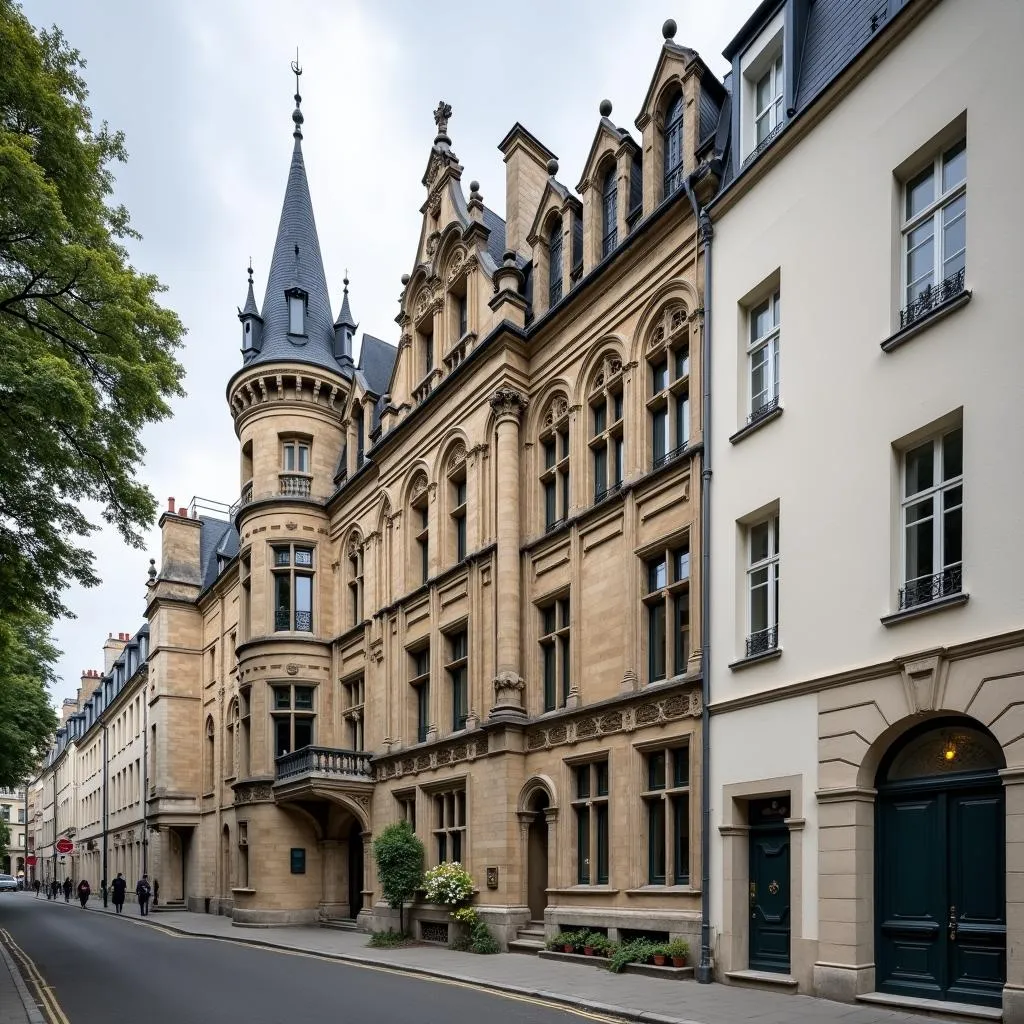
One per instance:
(449, 884)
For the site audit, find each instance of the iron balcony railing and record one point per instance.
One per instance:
(932, 297)
(600, 493)
(669, 456)
(762, 410)
(283, 621)
(762, 641)
(931, 588)
(349, 764)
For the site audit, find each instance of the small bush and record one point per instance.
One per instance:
(481, 940)
(636, 952)
(389, 939)
(600, 943)
(678, 949)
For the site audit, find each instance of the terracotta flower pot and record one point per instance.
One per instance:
(588, 950)
(659, 959)
(679, 961)
(568, 948)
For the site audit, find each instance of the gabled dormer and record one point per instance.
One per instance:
(556, 243)
(614, 161)
(678, 119)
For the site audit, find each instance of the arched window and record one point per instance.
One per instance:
(208, 757)
(609, 210)
(555, 263)
(231, 744)
(419, 523)
(457, 494)
(673, 141)
(354, 571)
(554, 469)
(606, 440)
(668, 392)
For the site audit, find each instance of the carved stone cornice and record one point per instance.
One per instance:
(508, 403)
(460, 749)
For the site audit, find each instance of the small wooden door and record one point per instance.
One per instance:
(770, 894)
(940, 871)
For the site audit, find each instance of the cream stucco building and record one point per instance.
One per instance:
(867, 648)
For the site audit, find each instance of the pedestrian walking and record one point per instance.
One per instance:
(84, 892)
(117, 889)
(37, 885)
(156, 892)
(67, 890)
(142, 891)
(53, 888)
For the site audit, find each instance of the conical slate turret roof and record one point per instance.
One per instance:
(297, 263)
(345, 318)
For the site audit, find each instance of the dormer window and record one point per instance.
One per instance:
(768, 102)
(555, 263)
(609, 210)
(762, 88)
(247, 336)
(674, 146)
(296, 311)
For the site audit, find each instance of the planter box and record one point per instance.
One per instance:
(669, 973)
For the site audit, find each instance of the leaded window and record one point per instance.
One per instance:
(666, 797)
(609, 210)
(555, 263)
(590, 805)
(667, 607)
(293, 588)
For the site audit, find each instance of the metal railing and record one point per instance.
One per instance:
(932, 297)
(765, 143)
(762, 641)
(762, 410)
(352, 764)
(283, 621)
(669, 456)
(931, 588)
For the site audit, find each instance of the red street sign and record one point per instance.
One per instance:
(30, 860)
(65, 846)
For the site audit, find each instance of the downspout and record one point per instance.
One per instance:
(106, 815)
(704, 972)
(145, 768)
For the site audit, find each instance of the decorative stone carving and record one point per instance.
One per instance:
(434, 202)
(441, 116)
(508, 402)
(508, 695)
(457, 457)
(422, 302)
(924, 681)
(457, 263)
(292, 669)
(432, 240)
(419, 485)
(254, 793)
(354, 544)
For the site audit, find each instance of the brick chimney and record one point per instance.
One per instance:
(112, 648)
(179, 546)
(526, 174)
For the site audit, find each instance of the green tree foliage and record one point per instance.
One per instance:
(5, 840)
(399, 856)
(27, 721)
(87, 353)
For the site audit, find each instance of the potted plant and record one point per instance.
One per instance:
(590, 942)
(572, 942)
(678, 950)
(659, 954)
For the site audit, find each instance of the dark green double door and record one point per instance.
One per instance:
(941, 902)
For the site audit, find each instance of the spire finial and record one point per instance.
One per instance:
(297, 117)
(441, 115)
(345, 280)
(250, 270)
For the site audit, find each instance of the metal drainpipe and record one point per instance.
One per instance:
(704, 973)
(106, 816)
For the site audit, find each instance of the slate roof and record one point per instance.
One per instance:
(217, 539)
(304, 269)
(376, 361)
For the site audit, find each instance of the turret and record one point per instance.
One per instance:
(344, 331)
(252, 323)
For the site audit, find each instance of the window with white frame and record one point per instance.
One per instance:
(763, 357)
(932, 496)
(935, 233)
(763, 586)
(768, 101)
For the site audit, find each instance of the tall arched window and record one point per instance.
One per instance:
(674, 146)
(208, 757)
(609, 210)
(554, 468)
(555, 262)
(231, 744)
(606, 441)
(354, 572)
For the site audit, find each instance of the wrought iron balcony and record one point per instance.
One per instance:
(283, 621)
(295, 485)
(243, 499)
(669, 456)
(763, 410)
(555, 524)
(762, 641)
(329, 761)
(932, 297)
(931, 588)
(600, 493)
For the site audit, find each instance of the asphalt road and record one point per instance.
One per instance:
(108, 971)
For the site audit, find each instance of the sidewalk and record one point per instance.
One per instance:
(631, 997)
(16, 1004)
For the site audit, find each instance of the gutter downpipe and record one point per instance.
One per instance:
(704, 973)
(104, 887)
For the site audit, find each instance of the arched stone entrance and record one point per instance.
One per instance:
(940, 855)
(537, 811)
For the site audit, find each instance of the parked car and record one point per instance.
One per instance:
(8, 883)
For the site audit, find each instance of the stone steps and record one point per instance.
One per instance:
(341, 924)
(529, 939)
(168, 906)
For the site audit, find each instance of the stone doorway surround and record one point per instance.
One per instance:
(734, 942)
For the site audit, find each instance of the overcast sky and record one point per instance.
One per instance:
(203, 92)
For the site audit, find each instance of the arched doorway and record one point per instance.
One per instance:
(537, 855)
(940, 854)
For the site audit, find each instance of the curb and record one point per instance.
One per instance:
(557, 998)
(32, 1013)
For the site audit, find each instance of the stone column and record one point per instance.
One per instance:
(508, 405)
(331, 902)
(369, 873)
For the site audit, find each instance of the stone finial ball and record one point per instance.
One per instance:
(605, 108)
(474, 186)
(405, 279)
(552, 167)
(668, 30)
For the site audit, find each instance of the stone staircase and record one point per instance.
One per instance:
(167, 906)
(341, 924)
(529, 939)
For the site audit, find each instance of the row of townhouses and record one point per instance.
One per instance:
(661, 573)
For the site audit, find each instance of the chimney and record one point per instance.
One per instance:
(67, 709)
(179, 546)
(112, 648)
(526, 175)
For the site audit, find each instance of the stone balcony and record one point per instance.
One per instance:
(320, 772)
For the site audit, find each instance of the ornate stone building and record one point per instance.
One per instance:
(460, 583)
